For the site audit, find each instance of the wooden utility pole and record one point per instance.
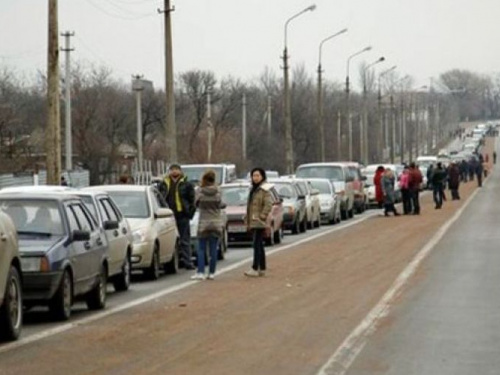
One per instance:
(171, 127)
(53, 130)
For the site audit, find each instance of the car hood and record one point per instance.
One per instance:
(325, 198)
(37, 245)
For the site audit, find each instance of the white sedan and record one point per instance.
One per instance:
(328, 200)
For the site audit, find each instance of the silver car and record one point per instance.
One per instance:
(329, 202)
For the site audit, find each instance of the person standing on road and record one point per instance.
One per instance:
(388, 182)
(404, 185)
(494, 157)
(472, 168)
(454, 180)
(438, 180)
(464, 171)
(377, 182)
(179, 194)
(415, 182)
(209, 205)
(258, 208)
(430, 171)
(479, 173)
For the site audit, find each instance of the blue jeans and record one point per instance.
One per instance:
(212, 242)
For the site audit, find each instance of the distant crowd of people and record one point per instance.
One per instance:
(438, 178)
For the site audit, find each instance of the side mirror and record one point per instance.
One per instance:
(162, 213)
(80, 235)
(110, 225)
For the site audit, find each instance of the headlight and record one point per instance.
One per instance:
(34, 264)
(139, 236)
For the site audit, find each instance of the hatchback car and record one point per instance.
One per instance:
(235, 196)
(330, 206)
(294, 205)
(11, 308)
(63, 251)
(313, 208)
(155, 236)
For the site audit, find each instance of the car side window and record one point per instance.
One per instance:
(159, 200)
(115, 209)
(104, 213)
(82, 217)
(110, 212)
(73, 223)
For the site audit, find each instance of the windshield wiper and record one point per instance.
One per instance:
(32, 233)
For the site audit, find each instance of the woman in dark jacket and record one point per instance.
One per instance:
(454, 180)
(377, 182)
(209, 205)
(258, 208)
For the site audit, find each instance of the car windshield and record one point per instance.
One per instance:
(133, 204)
(330, 172)
(194, 174)
(324, 187)
(285, 190)
(34, 217)
(235, 196)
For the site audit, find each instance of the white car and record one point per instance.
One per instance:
(11, 301)
(117, 231)
(329, 202)
(369, 172)
(155, 236)
(313, 207)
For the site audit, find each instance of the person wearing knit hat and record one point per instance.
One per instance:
(258, 208)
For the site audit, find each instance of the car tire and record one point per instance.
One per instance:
(221, 253)
(303, 226)
(11, 312)
(343, 214)
(351, 213)
(173, 265)
(153, 272)
(309, 223)
(278, 235)
(296, 226)
(96, 298)
(317, 223)
(121, 282)
(61, 302)
(270, 240)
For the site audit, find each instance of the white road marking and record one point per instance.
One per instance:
(67, 326)
(353, 345)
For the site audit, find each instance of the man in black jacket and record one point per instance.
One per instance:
(179, 194)
(439, 176)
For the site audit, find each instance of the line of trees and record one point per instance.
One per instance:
(104, 118)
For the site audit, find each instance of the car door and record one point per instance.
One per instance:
(117, 237)
(165, 227)
(94, 248)
(5, 257)
(277, 210)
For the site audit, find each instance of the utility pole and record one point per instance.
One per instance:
(244, 127)
(138, 88)
(339, 136)
(53, 129)
(269, 116)
(288, 116)
(209, 124)
(393, 129)
(171, 127)
(321, 124)
(67, 100)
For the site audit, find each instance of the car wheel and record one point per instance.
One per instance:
(11, 312)
(309, 223)
(173, 265)
(153, 272)
(270, 240)
(303, 226)
(351, 213)
(317, 223)
(60, 304)
(343, 214)
(121, 282)
(296, 226)
(278, 235)
(96, 298)
(221, 254)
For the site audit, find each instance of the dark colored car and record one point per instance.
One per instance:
(63, 251)
(294, 205)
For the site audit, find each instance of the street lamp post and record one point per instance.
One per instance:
(348, 113)
(286, 96)
(138, 86)
(363, 137)
(321, 124)
(380, 139)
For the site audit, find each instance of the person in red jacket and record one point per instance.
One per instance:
(377, 182)
(415, 181)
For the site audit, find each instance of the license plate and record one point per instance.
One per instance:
(237, 229)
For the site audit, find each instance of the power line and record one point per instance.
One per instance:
(126, 18)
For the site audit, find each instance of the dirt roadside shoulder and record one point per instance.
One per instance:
(289, 322)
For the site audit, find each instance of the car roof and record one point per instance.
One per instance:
(124, 187)
(35, 189)
(54, 196)
(327, 164)
(236, 184)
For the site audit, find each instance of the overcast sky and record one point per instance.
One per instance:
(242, 37)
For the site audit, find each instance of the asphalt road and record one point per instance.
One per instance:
(38, 321)
(447, 322)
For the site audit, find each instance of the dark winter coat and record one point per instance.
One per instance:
(388, 189)
(453, 177)
(415, 179)
(183, 198)
(209, 205)
(438, 177)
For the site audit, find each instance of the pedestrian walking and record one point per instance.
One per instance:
(404, 185)
(464, 171)
(180, 196)
(494, 157)
(479, 173)
(415, 182)
(258, 208)
(377, 182)
(438, 180)
(388, 182)
(430, 170)
(454, 180)
(209, 204)
(472, 168)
